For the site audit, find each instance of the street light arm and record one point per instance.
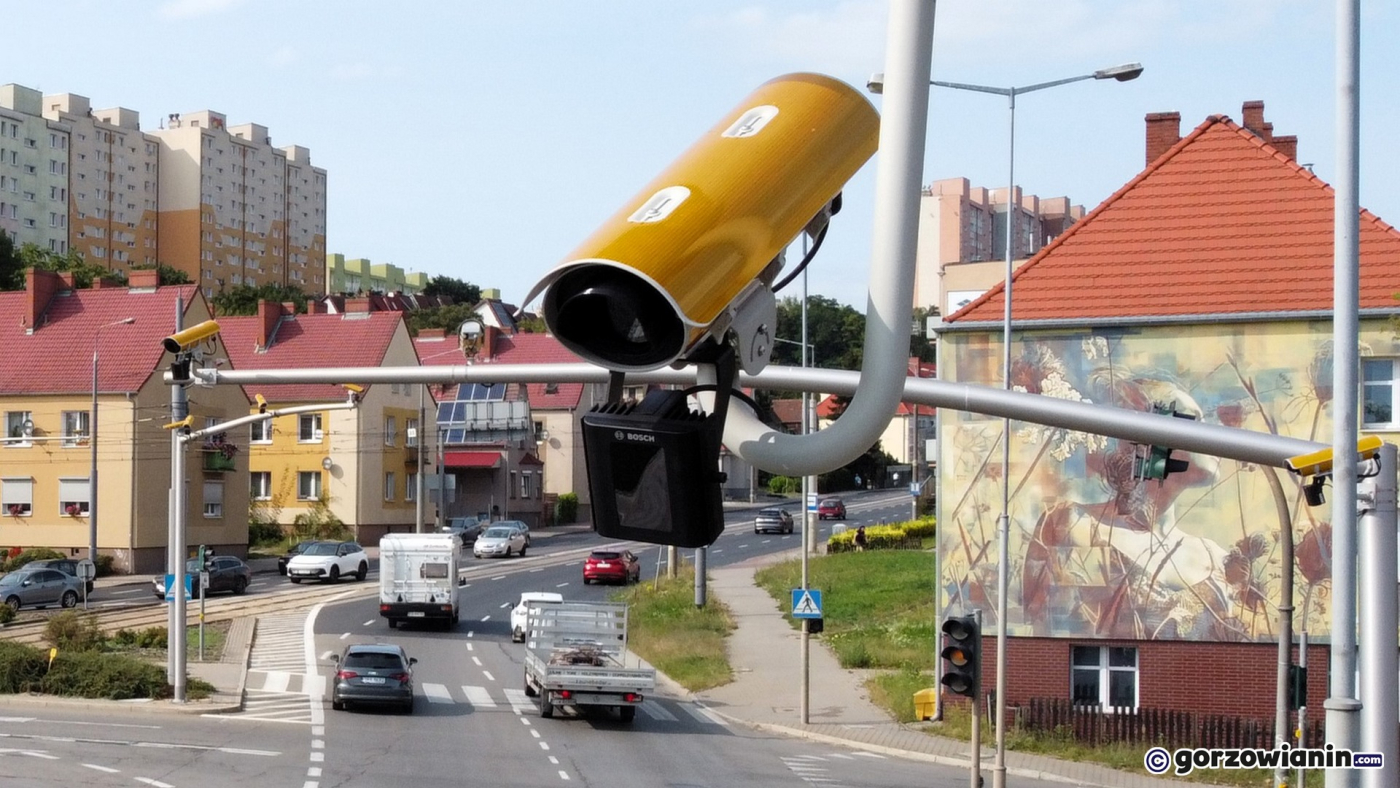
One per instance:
(1051, 84)
(225, 426)
(977, 88)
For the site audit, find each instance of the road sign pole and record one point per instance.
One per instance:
(976, 776)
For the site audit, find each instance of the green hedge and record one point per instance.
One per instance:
(893, 536)
(86, 674)
(17, 560)
(566, 509)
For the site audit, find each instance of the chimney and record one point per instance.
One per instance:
(1163, 131)
(66, 278)
(40, 285)
(104, 283)
(143, 277)
(1253, 112)
(289, 307)
(1287, 145)
(315, 306)
(269, 316)
(488, 343)
(356, 305)
(432, 333)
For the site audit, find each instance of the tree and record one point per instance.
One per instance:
(459, 291)
(243, 299)
(11, 269)
(167, 275)
(448, 318)
(84, 273)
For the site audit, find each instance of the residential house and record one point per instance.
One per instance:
(1204, 283)
(358, 465)
(52, 335)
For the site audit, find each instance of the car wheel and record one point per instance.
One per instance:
(546, 707)
(362, 572)
(626, 713)
(295, 580)
(407, 707)
(586, 581)
(338, 705)
(507, 552)
(239, 586)
(523, 549)
(13, 602)
(530, 690)
(335, 574)
(70, 599)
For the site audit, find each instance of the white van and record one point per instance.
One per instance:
(418, 578)
(519, 614)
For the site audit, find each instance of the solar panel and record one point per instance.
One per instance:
(481, 392)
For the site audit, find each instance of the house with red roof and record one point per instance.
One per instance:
(360, 465)
(52, 336)
(512, 449)
(1204, 284)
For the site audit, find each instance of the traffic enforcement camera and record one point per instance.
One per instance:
(694, 254)
(963, 655)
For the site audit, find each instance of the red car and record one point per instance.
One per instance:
(618, 566)
(835, 508)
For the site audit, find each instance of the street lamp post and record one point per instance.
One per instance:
(1121, 73)
(92, 441)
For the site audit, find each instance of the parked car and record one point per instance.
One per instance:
(39, 587)
(500, 540)
(466, 528)
(835, 508)
(618, 566)
(518, 525)
(297, 549)
(226, 573)
(772, 520)
(373, 673)
(328, 562)
(67, 566)
(520, 612)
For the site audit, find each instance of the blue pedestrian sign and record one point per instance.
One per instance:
(170, 587)
(806, 604)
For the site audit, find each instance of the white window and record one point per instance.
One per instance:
(1379, 390)
(17, 497)
(389, 486)
(410, 428)
(75, 428)
(309, 428)
(525, 484)
(19, 424)
(74, 496)
(260, 431)
(308, 485)
(213, 499)
(391, 430)
(260, 486)
(410, 491)
(1104, 676)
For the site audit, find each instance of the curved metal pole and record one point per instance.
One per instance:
(1285, 617)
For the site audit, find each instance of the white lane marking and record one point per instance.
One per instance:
(277, 681)
(767, 541)
(466, 585)
(318, 730)
(328, 655)
(560, 585)
(534, 733)
(488, 675)
(656, 711)
(153, 783)
(742, 546)
(344, 636)
(554, 760)
(703, 714)
(470, 633)
(477, 661)
(318, 744)
(563, 775)
(310, 784)
(843, 756)
(437, 693)
(525, 721)
(318, 757)
(499, 577)
(718, 550)
(469, 647)
(505, 605)
(478, 697)
(369, 622)
(106, 769)
(532, 571)
(485, 618)
(313, 771)
(520, 703)
(871, 755)
(544, 745)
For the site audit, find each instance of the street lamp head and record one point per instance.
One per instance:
(1123, 73)
(876, 83)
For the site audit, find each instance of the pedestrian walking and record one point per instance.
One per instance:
(860, 539)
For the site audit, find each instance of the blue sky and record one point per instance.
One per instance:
(484, 140)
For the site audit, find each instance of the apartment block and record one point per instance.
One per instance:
(111, 190)
(356, 275)
(33, 171)
(962, 239)
(234, 210)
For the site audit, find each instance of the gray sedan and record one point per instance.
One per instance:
(373, 673)
(39, 588)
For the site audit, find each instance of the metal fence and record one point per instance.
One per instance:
(1169, 728)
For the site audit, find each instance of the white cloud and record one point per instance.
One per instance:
(190, 9)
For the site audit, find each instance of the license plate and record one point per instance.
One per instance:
(603, 564)
(373, 680)
(416, 614)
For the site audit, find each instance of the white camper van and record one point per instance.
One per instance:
(418, 578)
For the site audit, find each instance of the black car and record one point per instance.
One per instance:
(68, 566)
(297, 549)
(226, 573)
(373, 673)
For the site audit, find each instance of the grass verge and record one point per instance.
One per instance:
(679, 639)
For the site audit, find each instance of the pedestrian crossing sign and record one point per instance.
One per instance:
(806, 603)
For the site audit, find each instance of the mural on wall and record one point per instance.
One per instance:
(1095, 551)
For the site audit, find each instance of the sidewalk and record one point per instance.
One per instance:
(766, 694)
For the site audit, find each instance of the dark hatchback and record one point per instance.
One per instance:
(297, 549)
(378, 673)
(226, 573)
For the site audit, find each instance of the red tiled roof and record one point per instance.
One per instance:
(314, 341)
(788, 411)
(1222, 223)
(57, 357)
(514, 349)
(471, 459)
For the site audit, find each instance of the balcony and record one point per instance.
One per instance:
(216, 462)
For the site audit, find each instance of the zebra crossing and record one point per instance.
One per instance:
(513, 699)
(277, 688)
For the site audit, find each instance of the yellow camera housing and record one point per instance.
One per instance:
(186, 339)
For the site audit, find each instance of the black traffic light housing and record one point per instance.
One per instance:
(963, 655)
(653, 467)
(1297, 687)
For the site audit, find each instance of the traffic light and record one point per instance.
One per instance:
(963, 654)
(206, 558)
(1297, 687)
(1158, 464)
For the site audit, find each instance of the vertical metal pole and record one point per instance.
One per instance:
(673, 559)
(1379, 661)
(1342, 705)
(418, 512)
(806, 522)
(976, 770)
(92, 472)
(177, 632)
(1004, 522)
(1285, 618)
(441, 474)
(202, 596)
(700, 577)
(179, 408)
(1303, 707)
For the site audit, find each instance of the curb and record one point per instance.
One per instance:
(142, 705)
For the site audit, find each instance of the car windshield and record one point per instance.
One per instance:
(499, 533)
(13, 578)
(301, 547)
(373, 661)
(321, 548)
(605, 555)
(512, 524)
(771, 513)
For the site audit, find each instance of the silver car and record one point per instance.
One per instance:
(39, 588)
(500, 540)
(518, 525)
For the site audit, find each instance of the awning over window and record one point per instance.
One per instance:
(471, 459)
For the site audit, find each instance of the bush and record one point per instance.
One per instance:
(7, 614)
(150, 637)
(22, 667)
(784, 485)
(106, 565)
(90, 674)
(73, 631)
(566, 508)
(32, 554)
(264, 533)
(895, 536)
